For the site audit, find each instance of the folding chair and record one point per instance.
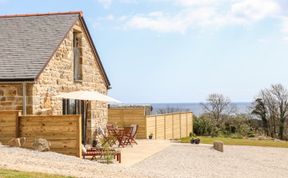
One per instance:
(134, 132)
(110, 139)
(127, 135)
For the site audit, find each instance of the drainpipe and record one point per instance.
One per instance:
(24, 101)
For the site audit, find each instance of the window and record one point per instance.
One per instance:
(72, 106)
(77, 53)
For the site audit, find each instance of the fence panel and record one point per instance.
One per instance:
(150, 126)
(189, 123)
(63, 132)
(168, 127)
(176, 126)
(126, 117)
(8, 125)
(183, 125)
(165, 126)
(159, 129)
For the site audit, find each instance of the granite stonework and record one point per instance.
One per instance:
(11, 97)
(57, 77)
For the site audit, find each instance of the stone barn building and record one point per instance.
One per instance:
(43, 55)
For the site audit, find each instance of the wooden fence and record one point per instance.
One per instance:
(126, 117)
(166, 126)
(170, 126)
(8, 125)
(63, 132)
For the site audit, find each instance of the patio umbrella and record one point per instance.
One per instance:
(87, 96)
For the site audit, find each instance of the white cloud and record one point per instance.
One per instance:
(206, 14)
(285, 38)
(110, 17)
(255, 9)
(285, 25)
(284, 29)
(158, 22)
(197, 2)
(181, 22)
(105, 3)
(128, 1)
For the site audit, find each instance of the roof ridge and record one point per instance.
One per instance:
(43, 14)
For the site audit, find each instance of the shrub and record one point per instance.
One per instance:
(251, 134)
(236, 136)
(203, 126)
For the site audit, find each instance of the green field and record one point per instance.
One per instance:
(5, 173)
(246, 142)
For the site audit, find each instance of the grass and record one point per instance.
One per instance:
(6, 173)
(234, 141)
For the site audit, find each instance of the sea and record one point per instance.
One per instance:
(196, 108)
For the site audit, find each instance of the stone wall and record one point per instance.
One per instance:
(58, 77)
(11, 97)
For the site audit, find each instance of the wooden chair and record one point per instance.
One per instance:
(134, 133)
(107, 138)
(120, 137)
(127, 135)
(112, 133)
(110, 126)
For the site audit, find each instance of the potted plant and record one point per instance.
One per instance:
(195, 140)
(150, 136)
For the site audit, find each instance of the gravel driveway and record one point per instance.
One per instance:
(177, 160)
(54, 163)
(180, 160)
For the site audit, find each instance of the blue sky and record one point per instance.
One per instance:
(182, 50)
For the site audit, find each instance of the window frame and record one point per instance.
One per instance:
(77, 56)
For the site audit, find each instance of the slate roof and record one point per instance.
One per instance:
(27, 42)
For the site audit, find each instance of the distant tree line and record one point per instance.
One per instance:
(268, 116)
(271, 106)
(171, 110)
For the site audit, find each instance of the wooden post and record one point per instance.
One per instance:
(180, 124)
(164, 126)
(17, 129)
(79, 136)
(24, 101)
(187, 134)
(122, 118)
(172, 126)
(155, 127)
(191, 114)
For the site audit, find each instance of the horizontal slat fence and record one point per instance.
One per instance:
(8, 125)
(63, 132)
(166, 126)
(126, 117)
(170, 126)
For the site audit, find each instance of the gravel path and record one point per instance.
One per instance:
(181, 160)
(54, 163)
(177, 160)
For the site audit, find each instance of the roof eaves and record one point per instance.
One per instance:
(42, 14)
(17, 80)
(54, 51)
(108, 84)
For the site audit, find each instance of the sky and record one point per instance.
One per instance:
(171, 51)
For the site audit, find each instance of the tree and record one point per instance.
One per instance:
(274, 103)
(259, 109)
(217, 106)
(280, 94)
